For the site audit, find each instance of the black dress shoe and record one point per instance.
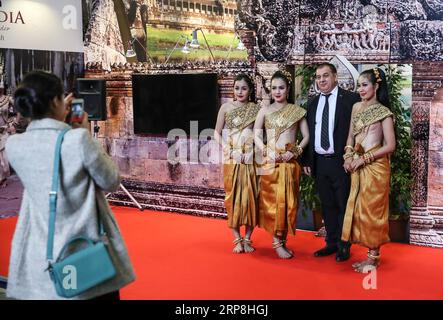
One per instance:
(343, 254)
(326, 251)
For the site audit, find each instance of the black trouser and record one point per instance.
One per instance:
(333, 185)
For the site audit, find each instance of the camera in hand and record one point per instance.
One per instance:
(77, 111)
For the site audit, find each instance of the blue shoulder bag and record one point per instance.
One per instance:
(85, 268)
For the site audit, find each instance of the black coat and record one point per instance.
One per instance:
(345, 101)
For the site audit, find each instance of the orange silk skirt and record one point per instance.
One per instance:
(278, 199)
(241, 192)
(367, 211)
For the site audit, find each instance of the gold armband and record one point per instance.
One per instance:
(300, 151)
(295, 149)
(348, 155)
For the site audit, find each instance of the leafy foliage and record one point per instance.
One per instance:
(309, 197)
(401, 181)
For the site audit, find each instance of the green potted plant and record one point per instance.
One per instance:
(401, 181)
(310, 201)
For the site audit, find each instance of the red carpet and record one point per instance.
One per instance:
(184, 257)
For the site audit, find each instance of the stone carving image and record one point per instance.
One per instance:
(348, 39)
(273, 21)
(318, 11)
(422, 40)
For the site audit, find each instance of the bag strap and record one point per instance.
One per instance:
(53, 199)
(53, 195)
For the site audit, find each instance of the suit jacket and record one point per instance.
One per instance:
(345, 101)
(85, 170)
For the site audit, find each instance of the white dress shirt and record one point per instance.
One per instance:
(318, 119)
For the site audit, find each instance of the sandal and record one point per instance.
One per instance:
(238, 246)
(369, 264)
(375, 258)
(281, 244)
(286, 248)
(247, 245)
(277, 244)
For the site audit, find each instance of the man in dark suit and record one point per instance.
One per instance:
(329, 117)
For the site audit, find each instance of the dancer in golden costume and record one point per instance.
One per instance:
(371, 139)
(280, 172)
(234, 131)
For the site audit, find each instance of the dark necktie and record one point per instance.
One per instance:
(325, 124)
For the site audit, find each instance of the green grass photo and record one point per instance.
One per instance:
(161, 42)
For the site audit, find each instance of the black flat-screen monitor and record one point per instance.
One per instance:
(170, 101)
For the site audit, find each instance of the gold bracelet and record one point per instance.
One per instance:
(296, 150)
(299, 150)
(372, 156)
(349, 147)
(348, 155)
(364, 159)
(369, 157)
